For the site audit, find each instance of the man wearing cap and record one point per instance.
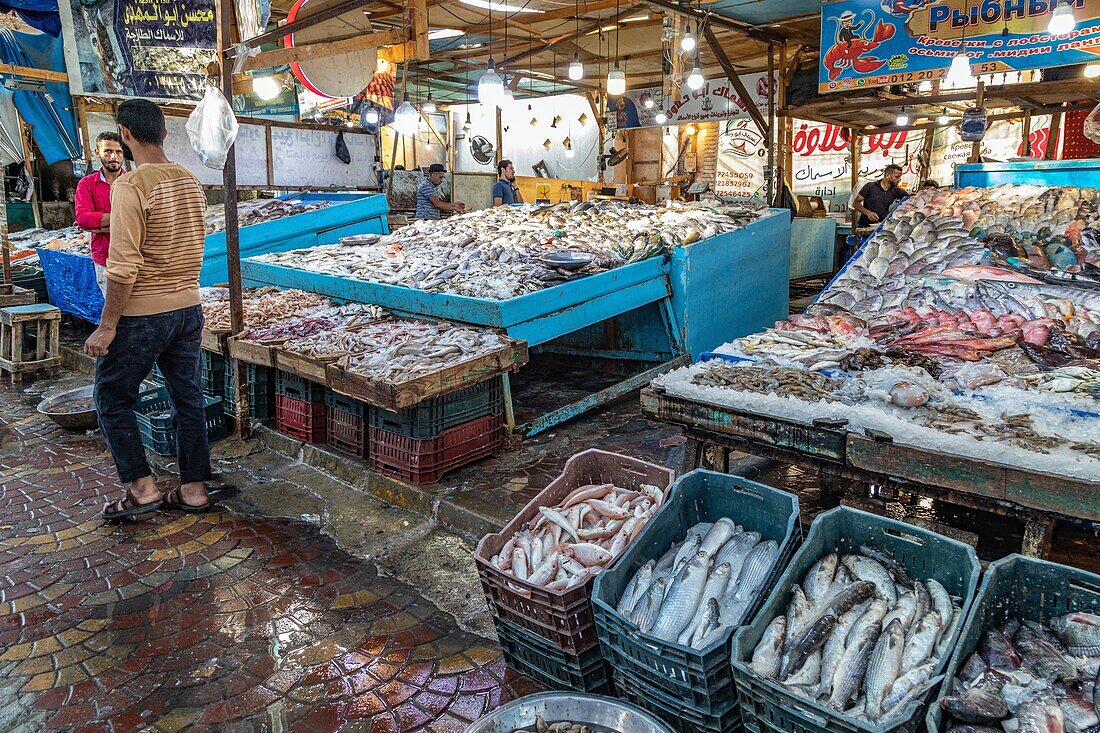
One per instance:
(848, 28)
(428, 200)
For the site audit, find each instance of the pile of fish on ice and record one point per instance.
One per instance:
(860, 635)
(505, 251)
(702, 586)
(259, 211)
(575, 540)
(1029, 678)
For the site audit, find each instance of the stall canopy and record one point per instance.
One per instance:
(38, 14)
(45, 106)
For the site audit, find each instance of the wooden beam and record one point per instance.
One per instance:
(299, 24)
(710, 19)
(735, 80)
(418, 16)
(1054, 136)
(281, 56)
(976, 147)
(27, 72)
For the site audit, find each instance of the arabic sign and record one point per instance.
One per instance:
(139, 48)
(867, 43)
(715, 100)
(742, 153)
(822, 164)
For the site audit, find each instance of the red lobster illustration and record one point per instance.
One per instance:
(851, 53)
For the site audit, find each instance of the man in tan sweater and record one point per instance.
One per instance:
(151, 314)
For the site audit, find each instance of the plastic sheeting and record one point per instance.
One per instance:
(41, 15)
(51, 114)
(70, 278)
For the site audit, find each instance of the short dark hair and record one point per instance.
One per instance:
(143, 119)
(112, 136)
(892, 167)
(502, 165)
(929, 183)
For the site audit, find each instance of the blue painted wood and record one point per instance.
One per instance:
(813, 244)
(353, 213)
(1034, 172)
(732, 285)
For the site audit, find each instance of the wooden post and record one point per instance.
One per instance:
(270, 157)
(976, 148)
(28, 163)
(500, 137)
(926, 154)
(853, 148)
(786, 132)
(1025, 130)
(1052, 138)
(5, 249)
(232, 228)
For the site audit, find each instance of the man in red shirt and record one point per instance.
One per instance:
(93, 201)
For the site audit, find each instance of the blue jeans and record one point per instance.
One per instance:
(171, 340)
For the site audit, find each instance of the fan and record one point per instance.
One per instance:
(613, 157)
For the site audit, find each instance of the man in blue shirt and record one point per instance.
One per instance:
(428, 201)
(505, 192)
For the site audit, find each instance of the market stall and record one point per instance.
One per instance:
(541, 274)
(957, 355)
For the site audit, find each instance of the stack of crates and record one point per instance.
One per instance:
(153, 410)
(212, 373)
(260, 382)
(346, 422)
(299, 408)
(421, 443)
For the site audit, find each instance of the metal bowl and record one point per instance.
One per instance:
(589, 710)
(569, 260)
(83, 420)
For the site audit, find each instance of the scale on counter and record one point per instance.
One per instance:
(697, 188)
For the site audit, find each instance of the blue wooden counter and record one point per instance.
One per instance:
(813, 246)
(1033, 172)
(70, 278)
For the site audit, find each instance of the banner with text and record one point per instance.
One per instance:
(1003, 141)
(715, 100)
(867, 43)
(155, 49)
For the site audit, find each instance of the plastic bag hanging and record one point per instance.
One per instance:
(342, 152)
(1092, 125)
(212, 128)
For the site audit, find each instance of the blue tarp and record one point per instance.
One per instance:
(51, 114)
(70, 278)
(39, 14)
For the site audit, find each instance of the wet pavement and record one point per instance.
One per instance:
(228, 621)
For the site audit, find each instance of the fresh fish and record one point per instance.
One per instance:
(914, 679)
(798, 616)
(981, 702)
(649, 607)
(997, 650)
(924, 602)
(719, 533)
(767, 656)
(754, 573)
(850, 596)
(834, 649)
(708, 623)
(905, 610)
(920, 643)
(682, 598)
(973, 668)
(809, 674)
(883, 668)
(901, 575)
(941, 601)
(687, 550)
(867, 569)
(820, 578)
(850, 671)
(735, 551)
(1080, 632)
(714, 589)
(1040, 714)
(1042, 657)
(1078, 711)
(809, 641)
(637, 586)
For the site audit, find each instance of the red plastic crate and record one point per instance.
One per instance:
(346, 420)
(301, 420)
(424, 460)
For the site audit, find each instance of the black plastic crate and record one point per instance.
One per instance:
(431, 417)
(551, 667)
(346, 424)
(157, 427)
(212, 373)
(680, 715)
(288, 384)
(260, 381)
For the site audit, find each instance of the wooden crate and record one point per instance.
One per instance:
(11, 294)
(214, 340)
(307, 367)
(399, 395)
(44, 321)
(260, 353)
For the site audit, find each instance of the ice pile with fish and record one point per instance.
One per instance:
(860, 635)
(573, 541)
(502, 252)
(701, 586)
(1026, 677)
(259, 211)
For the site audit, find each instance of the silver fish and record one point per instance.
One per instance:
(649, 607)
(848, 678)
(686, 551)
(682, 598)
(735, 551)
(638, 585)
(806, 643)
(867, 569)
(833, 650)
(820, 578)
(941, 601)
(883, 668)
(903, 685)
(758, 566)
(767, 655)
(715, 588)
(707, 624)
(921, 641)
(717, 536)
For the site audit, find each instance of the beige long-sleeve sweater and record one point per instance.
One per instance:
(157, 236)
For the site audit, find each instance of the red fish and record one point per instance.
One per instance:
(851, 53)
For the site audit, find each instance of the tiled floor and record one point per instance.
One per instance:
(219, 622)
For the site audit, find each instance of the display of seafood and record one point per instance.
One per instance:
(70, 239)
(1027, 677)
(259, 211)
(576, 539)
(319, 320)
(860, 635)
(561, 726)
(400, 350)
(701, 586)
(502, 252)
(262, 306)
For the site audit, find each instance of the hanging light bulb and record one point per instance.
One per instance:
(406, 120)
(1092, 70)
(567, 144)
(266, 87)
(467, 125)
(959, 73)
(943, 119)
(660, 118)
(616, 81)
(1061, 20)
(648, 101)
(902, 119)
(507, 96)
(576, 68)
(372, 115)
(429, 105)
(688, 42)
(695, 79)
(490, 87)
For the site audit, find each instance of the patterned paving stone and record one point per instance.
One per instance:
(214, 622)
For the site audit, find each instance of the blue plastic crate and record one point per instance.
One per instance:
(157, 426)
(212, 373)
(260, 383)
(766, 705)
(1016, 587)
(548, 665)
(678, 714)
(699, 678)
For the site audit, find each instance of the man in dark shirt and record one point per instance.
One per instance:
(505, 192)
(874, 199)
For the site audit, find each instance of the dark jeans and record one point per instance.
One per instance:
(172, 341)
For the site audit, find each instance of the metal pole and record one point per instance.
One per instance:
(232, 230)
(771, 123)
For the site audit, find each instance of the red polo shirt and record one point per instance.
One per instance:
(92, 201)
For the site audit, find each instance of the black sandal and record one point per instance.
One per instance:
(128, 506)
(172, 504)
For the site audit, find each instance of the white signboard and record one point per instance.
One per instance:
(1003, 140)
(742, 154)
(715, 100)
